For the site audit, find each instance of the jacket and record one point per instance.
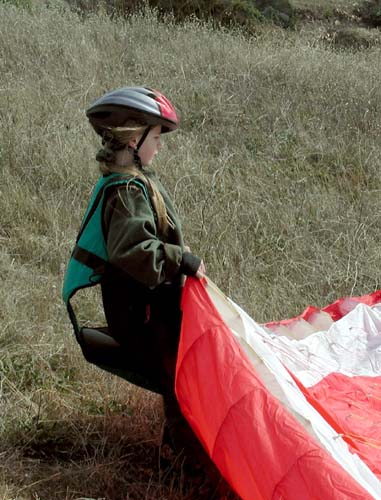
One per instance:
(119, 247)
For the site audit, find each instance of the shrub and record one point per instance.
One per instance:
(370, 12)
(244, 13)
(353, 38)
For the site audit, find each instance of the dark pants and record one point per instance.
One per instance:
(149, 331)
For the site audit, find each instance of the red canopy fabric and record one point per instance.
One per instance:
(336, 310)
(259, 447)
(351, 404)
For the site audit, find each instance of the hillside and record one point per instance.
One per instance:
(274, 171)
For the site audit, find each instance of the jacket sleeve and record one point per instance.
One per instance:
(133, 244)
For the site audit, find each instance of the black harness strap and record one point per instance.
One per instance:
(137, 160)
(98, 265)
(89, 259)
(74, 322)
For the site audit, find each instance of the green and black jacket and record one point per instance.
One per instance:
(119, 247)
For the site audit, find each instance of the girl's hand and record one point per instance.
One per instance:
(201, 271)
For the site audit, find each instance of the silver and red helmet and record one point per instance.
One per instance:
(141, 104)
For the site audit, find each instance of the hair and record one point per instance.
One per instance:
(116, 139)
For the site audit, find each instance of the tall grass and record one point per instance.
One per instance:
(275, 173)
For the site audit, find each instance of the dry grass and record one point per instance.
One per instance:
(323, 4)
(275, 173)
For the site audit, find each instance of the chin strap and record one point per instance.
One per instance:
(137, 160)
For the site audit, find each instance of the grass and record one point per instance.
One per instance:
(322, 5)
(275, 173)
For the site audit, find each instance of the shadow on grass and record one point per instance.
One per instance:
(109, 457)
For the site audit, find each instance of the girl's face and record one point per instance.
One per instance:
(151, 145)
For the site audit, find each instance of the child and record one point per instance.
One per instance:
(141, 288)
(131, 243)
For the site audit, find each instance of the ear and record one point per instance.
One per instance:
(132, 143)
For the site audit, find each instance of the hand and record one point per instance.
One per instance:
(201, 271)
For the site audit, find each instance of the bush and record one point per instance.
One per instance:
(370, 12)
(244, 13)
(353, 38)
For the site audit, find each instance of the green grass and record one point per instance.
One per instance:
(275, 173)
(322, 4)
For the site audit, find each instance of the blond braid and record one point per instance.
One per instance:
(123, 135)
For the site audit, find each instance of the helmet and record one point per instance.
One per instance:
(145, 105)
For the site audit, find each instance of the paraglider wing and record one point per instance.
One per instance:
(250, 410)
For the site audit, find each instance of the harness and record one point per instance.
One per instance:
(86, 267)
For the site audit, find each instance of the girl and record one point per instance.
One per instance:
(131, 243)
(141, 287)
